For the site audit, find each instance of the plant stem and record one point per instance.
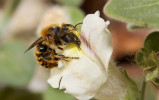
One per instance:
(143, 89)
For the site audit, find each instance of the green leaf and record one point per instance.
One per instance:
(132, 94)
(150, 93)
(135, 27)
(76, 14)
(16, 67)
(70, 2)
(149, 76)
(56, 94)
(141, 12)
(9, 93)
(147, 56)
(144, 58)
(132, 91)
(139, 58)
(152, 42)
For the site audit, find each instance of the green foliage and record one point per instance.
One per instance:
(70, 2)
(9, 93)
(135, 27)
(150, 93)
(132, 94)
(16, 67)
(148, 57)
(141, 12)
(144, 58)
(152, 42)
(76, 14)
(56, 94)
(132, 91)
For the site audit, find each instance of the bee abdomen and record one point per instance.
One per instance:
(44, 63)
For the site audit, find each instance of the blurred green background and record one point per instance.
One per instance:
(21, 78)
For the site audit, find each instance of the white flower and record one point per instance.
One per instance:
(87, 77)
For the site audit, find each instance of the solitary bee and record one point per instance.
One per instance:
(57, 36)
(53, 37)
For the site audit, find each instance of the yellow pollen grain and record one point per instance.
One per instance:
(74, 49)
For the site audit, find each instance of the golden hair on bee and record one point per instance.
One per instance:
(54, 36)
(58, 36)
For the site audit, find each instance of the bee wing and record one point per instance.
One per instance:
(39, 40)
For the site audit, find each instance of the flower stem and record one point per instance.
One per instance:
(143, 89)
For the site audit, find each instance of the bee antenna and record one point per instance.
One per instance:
(78, 24)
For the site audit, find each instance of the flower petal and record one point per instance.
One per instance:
(115, 87)
(96, 39)
(81, 78)
(84, 77)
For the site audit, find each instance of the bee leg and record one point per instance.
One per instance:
(50, 57)
(47, 39)
(47, 58)
(78, 45)
(69, 58)
(58, 56)
(60, 48)
(66, 58)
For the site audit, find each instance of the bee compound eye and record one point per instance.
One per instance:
(54, 29)
(43, 48)
(64, 29)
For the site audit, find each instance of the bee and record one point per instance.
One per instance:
(53, 37)
(57, 36)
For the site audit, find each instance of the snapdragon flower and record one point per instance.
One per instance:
(93, 75)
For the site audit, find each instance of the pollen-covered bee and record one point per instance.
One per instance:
(54, 37)
(57, 36)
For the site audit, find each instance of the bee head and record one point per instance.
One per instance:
(67, 27)
(69, 34)
(52, 31)
(71, 38)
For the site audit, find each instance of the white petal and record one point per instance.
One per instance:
(115, 87)
(81, 78)
(55, 77)
(60, 64)
(84, 77)
(96, 39)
